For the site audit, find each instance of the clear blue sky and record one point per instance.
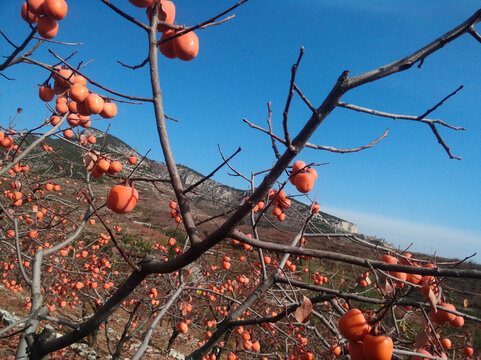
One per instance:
(404, 189)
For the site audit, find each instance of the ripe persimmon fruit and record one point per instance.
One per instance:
(94, 104)
(47, 27)
(122, 199)
(109, 110)
(167, 48)
(356, 350)
(78, 92)
(377, 347)
(62, 77)
(36, 6)
(46, 93)
(166, 13)
(68, 133)
(304, 182)
(132, 159)
(28, 16)
(186, 47)
(353, 325)
(115, 167)
(55, 9)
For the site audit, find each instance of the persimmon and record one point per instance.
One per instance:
(94, 104)
(392, 260)
(82, 109)
(55, 9)
(97, 172)
(84, 121)
(183, 327)
(132, 159)
(109, 110)
(103, 165)
(28, 16)
(298, 165)
(256, 346)
(122, 199)
(356, 350)
(457, 322)
(73, 120)
(353, 325)
(78, 79)
(115, 167)
(276, 211)
(61, 108)
(377, 347)
(62, 77)
(68, 133)
(167, 48)
(186, 47)
(446, 343)
(442, 316)
(423, 352)
(468, 351)
(91, 139)
(36, 6)
(335, 349)
(78, 92)
(46, 93)
(304, 182)
(47, 27)
(72, 106)
(166, 13)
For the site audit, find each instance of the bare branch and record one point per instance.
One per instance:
(193, 186)
(289, 97)
(135, 67)
(318, 147)
(396, 116)
(230, 167)
(17, 50)
(472, 31)
(344, 151)
(269, 123)
(408, 61)
(57, 42)
(304, 98)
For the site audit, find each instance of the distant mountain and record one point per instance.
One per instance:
(209, 198)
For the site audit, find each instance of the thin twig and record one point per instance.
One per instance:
(269, 123)
(289, 97)
(472, 31)
(230, 167)
(304, 98)
(57, 42)
(193, 186)
(396, 116)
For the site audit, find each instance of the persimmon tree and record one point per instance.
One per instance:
(241, 293)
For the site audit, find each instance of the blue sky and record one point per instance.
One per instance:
(405, 189)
